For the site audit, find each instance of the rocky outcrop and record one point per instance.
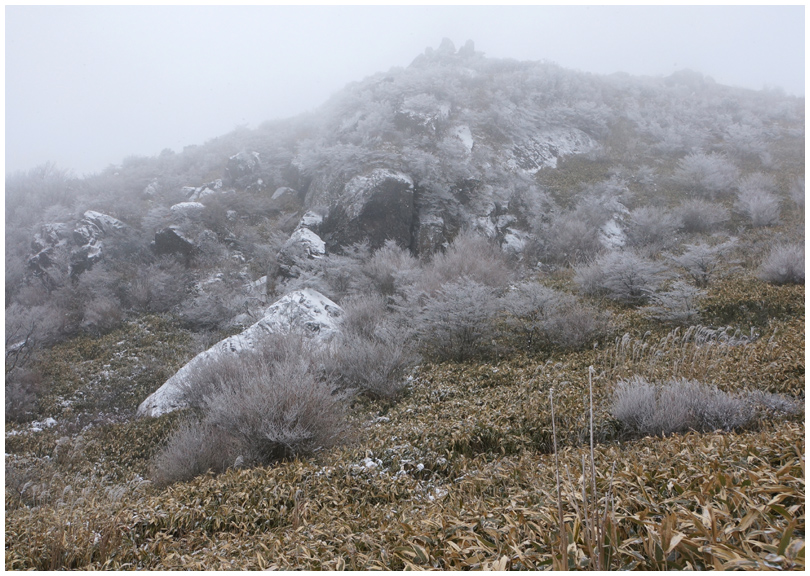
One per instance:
(303, 246)
(171, 240)
(194, 194)
(241, 166)
(304, 311)
(187, 211)
(376, 207)
(87, 237)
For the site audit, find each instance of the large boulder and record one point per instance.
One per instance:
(87, 237)
(171, 240)
(305, 311)
(376, 207)
(242, 165)
(301, 249)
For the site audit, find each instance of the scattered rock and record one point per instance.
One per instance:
(242, 165)
(171, 240)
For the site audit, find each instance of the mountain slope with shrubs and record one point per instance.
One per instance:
(570, 334)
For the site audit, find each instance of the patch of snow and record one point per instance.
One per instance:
(312, 243)
(464, 134)
(281, 192)
(310, 220)
(611, 234)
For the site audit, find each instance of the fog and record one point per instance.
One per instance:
(88, 86)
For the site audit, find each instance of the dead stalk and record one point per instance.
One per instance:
(563, 536)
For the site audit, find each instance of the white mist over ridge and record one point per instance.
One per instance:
(89, 86)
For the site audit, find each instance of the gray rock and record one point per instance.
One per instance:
(242, 165)
(171, 240)
(376, 207)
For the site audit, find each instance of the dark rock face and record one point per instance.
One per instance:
(171, 240)
(241, 165)
(378, 206)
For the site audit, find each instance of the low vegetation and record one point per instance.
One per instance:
(606, 372)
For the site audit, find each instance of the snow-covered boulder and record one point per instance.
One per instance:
(303, 246)
(187, 210)
(306, 311)
(241, 165)
(87, 237)
(194, 194)
(543, 149)
(171, 240)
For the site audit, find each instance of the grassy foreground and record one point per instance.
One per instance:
(459, 473)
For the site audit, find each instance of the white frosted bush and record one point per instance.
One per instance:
(622, 276)
(706, 174)
(698, 215)
(784, 264)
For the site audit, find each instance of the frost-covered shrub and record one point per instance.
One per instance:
(371, 354)
(797, 193)
(678, 405)
(706, 174)
(470, 256)
(375, 366)
(652, 227)
(622, 276)
(195, 448)
(457, 321)
(541, 316)
(757, 202)
(390, 267)
(676, 305)
(278, 410)
(569, 240)
(697, 215)
(702, 260)
(784, 264)
(266, 404)
(23, 387)
(102, 314)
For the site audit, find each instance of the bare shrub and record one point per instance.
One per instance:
(678, 405)
(23, 387)
(102, 314)
(706, 174)
(542, 316)
(363, 315)
(570, 240)
(390, 267)
(702, 260)
(373, 366)
(784, 264)
(457, 321)
(278, 410)
(697, 215)
(676, 305)
(758, 205)
(797, 193)
(195, 448)
(652, 227)
(621, 276)
(471, 256)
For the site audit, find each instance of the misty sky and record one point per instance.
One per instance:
(88, 86)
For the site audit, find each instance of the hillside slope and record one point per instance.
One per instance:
(490, 232)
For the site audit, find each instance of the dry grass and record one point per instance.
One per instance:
(459, 474)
